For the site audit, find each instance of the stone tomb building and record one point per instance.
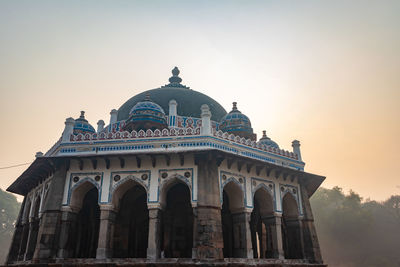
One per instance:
(173, 178)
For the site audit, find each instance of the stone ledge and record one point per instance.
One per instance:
(170, 262)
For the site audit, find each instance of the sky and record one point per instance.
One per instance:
(324, 72)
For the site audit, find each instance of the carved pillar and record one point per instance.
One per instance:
(49, 228)
(263, 241)
(32, 238)
(24, 241)
(153, 247)
(207, 231)
(312, 250)
(242, 247)
(68, 220)
(106, 232)
(273, 225)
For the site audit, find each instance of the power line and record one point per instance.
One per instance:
(13, 166)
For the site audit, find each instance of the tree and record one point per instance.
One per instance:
(9, 207)
(353, 232)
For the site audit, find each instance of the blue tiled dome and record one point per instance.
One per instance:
(146, 115)
(82, 125)
(237, 123)
(146, 105)
(265, 140)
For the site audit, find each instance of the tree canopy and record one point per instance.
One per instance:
(353, 232)
(9, 207)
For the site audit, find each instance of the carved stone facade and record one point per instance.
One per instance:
(189, 192)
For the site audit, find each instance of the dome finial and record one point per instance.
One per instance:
(234, 106)
(175, 79)
(264, 133)
(147, 98)
(82, 115)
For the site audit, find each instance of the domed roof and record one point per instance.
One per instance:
(146, 115)
(189, 101)
(146, 105)
(265, 140)
(237, 123)
(82, 125)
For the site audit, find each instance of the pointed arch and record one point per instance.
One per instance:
(78, 192)
(119, 189)
(177, 226)
(168, 184)
(291, 228)
(236, 195)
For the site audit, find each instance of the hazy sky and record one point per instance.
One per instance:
(324, 72)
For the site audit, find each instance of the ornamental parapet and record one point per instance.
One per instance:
(172, 140)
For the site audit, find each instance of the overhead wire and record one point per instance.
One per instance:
(13, 166)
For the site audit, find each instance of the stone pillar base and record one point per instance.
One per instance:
(208, 239)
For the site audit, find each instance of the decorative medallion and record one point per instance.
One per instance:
(254, 183)
(117, 178)
(282, 188)
(97, 178)
(164, 175)
(76, 179)
(270, 186)
(223, 177)
(187, 174)
(241, 180)
(294, 190)
(144, 176)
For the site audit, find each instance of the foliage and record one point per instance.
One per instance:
(9, 207)
(356, 233)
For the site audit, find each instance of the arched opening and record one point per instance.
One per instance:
(33, 229)
(177, 225)
(261, 233)
(85, 233)
(25, 230)
(233, 203)
(291, 234)
(132, 222)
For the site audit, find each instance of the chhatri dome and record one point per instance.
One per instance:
(82, 125)
(146, 115)
(171, 176)
(265, 140)
(237, 123)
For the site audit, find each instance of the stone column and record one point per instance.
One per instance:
(263, 241)
(24, 241)
(153, 247)
(273, 225)
(49, 228)
(207, 235)
(68, 220)
(242, 247)
(312, 250)
(106, 232)
(32, 238)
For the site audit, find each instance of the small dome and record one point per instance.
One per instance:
(146, 106)
(146, 115)
(82, 125)
(237, 123)
(265, 140)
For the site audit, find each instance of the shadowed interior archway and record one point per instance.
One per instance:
(233, 203)
(84, 233)
(261, 234)
(291, 230)
(132, 221)
(177, 221)
(33, 229)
